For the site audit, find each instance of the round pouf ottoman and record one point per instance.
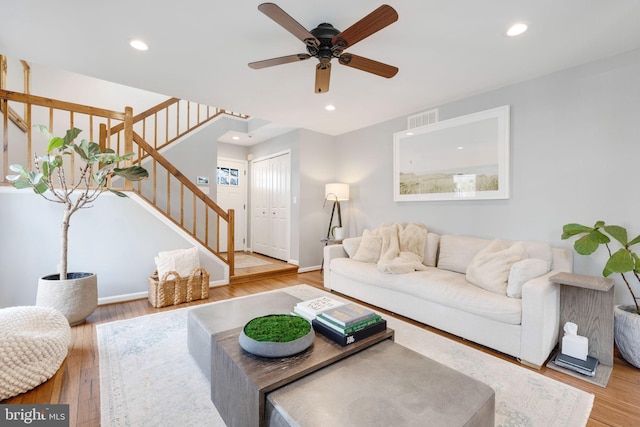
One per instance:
(33, 344)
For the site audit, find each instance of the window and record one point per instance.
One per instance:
(227, 176)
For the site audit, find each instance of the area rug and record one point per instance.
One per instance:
(246, 261)
(147, 377)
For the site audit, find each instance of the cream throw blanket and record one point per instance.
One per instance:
(402, 248)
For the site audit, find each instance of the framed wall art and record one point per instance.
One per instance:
(464, 158)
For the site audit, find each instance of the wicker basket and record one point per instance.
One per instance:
(174, 290)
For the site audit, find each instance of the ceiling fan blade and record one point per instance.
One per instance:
(368, 65)
(373, 22)
(277, 61)
(283, 19)
(323, 74)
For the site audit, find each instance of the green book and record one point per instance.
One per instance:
(348, 314)
(350, 329)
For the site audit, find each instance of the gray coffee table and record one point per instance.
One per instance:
(382, 384)
(385, 385)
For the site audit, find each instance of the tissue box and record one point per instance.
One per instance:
(575, 346)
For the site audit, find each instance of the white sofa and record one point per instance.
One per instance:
(440, 295)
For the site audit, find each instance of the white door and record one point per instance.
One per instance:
(270, 195)
(231, 183)
(260, 190)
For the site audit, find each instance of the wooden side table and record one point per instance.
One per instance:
(587, 301)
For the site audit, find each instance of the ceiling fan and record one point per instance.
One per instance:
(326, 42)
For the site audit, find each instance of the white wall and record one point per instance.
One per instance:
(117, 239)
(575, 145)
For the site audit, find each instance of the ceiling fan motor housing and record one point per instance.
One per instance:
(326, 50)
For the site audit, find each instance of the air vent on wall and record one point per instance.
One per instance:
(422, 119)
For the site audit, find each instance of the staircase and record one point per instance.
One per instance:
(167, 189)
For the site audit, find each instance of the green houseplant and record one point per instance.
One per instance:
(50, 179)
(623, 261)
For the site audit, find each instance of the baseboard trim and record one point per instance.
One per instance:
(144, 295)
(308, 269)
(122, 298)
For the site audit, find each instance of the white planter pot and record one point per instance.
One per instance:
(338, 233)
(627, 333)
(76, 297)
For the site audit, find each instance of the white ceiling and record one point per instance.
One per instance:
(199, 50)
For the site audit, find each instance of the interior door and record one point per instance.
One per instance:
(260, 191)
(231, 183)
(279, 207)
(270, 195)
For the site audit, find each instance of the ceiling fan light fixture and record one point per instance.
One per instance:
(517, 29)
(138, 44)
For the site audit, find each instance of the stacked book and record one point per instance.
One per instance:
(310, 309)
(348, 323)
(584, 367)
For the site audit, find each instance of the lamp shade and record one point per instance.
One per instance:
(336, 191)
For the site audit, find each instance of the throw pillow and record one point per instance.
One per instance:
(370, 247)
(182, 261)
(431, 249)
(489, 269)
(350, 245)
(413, 238)
(523, 271)
(456, 252)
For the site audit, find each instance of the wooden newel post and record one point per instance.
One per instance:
(230, 241)
(128, 141)
(102, 140)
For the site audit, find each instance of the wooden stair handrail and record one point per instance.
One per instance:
(61, 105)
(151, 111)
(127, 120)
(179, 175)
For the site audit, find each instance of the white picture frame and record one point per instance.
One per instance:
(464, 158)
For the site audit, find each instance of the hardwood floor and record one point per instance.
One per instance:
(77, 381)
(274, 268)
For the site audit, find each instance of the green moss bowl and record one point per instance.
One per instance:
(276, 335)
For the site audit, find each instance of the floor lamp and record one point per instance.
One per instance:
(337, 192)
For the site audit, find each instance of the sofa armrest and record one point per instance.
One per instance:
(331, 252)
(540, 319)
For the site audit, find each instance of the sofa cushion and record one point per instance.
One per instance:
(431, 249)
(523, 271)
(350, 245)
(436, 285)
(370, 247)
(456, 252)
(489, 269)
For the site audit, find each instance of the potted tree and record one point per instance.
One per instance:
(624, 260)
(74, 294)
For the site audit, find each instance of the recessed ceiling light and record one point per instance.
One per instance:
(517, 29)
(138, 44)
(235, 138)
(460, 148)
(330, 107)
(409, 133)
